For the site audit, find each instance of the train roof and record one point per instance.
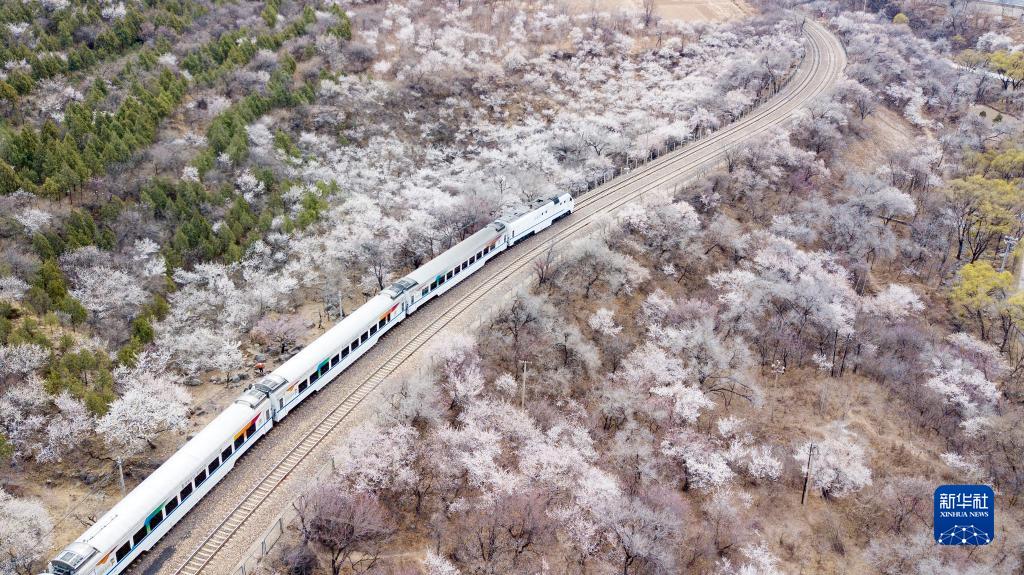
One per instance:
(341, 334)
(456, 254)
(164, 482)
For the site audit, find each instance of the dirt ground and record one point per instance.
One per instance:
(682, 10)
(882, 133)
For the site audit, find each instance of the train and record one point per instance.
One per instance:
(139, 520)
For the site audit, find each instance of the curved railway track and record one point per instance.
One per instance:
(823, 63)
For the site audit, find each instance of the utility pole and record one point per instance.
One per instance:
(807, 473)
(1011, 242)
(120, 474)
(522, 400)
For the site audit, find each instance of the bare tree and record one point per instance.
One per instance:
(351, 528)
(647, 8)
(517, 320)
(299, 560)
(501, 538)
(544, 265)
(282, 331)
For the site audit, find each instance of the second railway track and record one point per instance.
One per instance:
(823, 62)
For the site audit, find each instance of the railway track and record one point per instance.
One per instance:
(823, 62)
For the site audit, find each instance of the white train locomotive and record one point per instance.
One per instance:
(139, 520)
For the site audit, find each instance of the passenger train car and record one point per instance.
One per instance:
(139, 520)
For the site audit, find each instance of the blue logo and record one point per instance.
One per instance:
(964, 515)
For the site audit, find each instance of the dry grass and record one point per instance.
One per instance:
(882, 133)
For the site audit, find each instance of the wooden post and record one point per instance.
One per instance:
(522, 401)
(807, 472)
(120, 475)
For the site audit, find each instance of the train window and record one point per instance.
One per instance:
(426, 290)
(313, 377)
(171, 505)
(355, 344)
(139, 536)
(382, 323)
(122, 551)
(373, 329)
(185, 491)
(472, 259)
(448, 276)
(156, 519)
(366, 335)
(324, 369)
(335, 360)
(464, 264)
(213, 465)
(250, 430)
(433, 284)
(201, 477)
(240, 440)
(479, 255)
(344, 353)
(224, 455)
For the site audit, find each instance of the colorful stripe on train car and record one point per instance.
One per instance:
(387, 313)
(247, 425)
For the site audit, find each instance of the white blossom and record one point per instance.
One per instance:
(250, 186)
(150, 405)
(21, 359)
(25, 533)
(894, 303)
(12, 289)
(839, 462)
(34, 219)
(106, 291)
(759, 560)
(434, 564)
(968, 464)
(603, 321)
(168, 60)
(114, 11)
